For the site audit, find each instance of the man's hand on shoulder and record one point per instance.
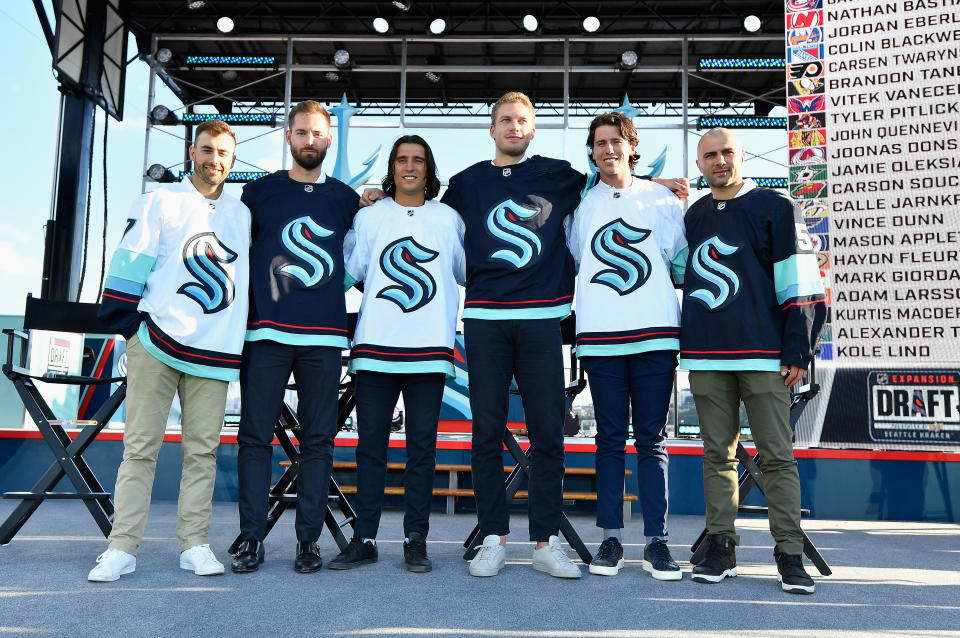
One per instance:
(679, 185)
(371, 196)
(792, 375)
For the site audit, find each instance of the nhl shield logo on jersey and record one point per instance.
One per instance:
(504, 224)
(400, 261)
(299, 237)
(628, 268)
(705, 261)
(203, 255)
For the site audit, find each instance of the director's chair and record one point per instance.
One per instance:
(60, 316)
(521, 470)
(752, 476)
(283, 494)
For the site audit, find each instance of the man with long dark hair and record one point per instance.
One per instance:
(408, 250)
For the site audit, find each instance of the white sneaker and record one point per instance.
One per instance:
(111, 565)
(490, 558)
(553, 560)
(201, 560)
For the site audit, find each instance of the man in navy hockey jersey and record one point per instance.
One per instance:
(753, 307)
(298, 324)
(176, 290)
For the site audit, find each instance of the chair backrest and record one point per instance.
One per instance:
(63, 316)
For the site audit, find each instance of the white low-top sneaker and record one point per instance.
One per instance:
(554, 561)
(201, 560)
(490, 558)
(111, 565)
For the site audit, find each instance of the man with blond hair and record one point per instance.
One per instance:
(298, 324)
(177, 290)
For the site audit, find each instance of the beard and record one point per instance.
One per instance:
(212, 181)
(308, 162)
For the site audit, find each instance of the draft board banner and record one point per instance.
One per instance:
(873, 100)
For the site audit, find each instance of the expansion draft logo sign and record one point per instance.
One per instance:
(806, 104)
(907, 405)
(815, 137)
(813, 155)
(795, 6)
(800, 70)
(804, 54)
(806, 37)
(804, 20)
(805, 86)
(806, 121)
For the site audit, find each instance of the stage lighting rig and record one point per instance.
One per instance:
(628, 60)
(591, 24)
(195, 5)
(712, 64)
(225, 24)
(163, 56)
(437, 26)
(160, 173)
(713, 121)
(162, 115)
(752, 23)
(432, 77)
(380, 25)
(530, 22)
(341, 58)
(403, 6)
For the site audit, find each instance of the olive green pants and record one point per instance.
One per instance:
(718, 395)
(151, 386)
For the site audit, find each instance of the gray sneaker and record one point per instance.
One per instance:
(490, 558)
(554, 561)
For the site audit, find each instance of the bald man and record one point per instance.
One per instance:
(753, 307)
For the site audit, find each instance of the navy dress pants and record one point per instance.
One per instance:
(264, 374)
(377, 395)
(531, 351)
(644, 382)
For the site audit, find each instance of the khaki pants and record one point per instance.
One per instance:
(717, 395)
(150, 390)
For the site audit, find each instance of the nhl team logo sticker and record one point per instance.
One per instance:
(914, 405)
(804, 20)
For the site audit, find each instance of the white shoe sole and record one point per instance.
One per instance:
(557, 573)
(662, 575)
(486, 572)
(207, 572)
(710, 578)
(94, 578)
(603, 570)
(796, 589)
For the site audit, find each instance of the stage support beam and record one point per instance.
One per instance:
(61, 276)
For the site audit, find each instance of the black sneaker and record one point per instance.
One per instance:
(609, 558)
(720, 561)
(357, 553)
(415, 554)
(658, 561)
(793, 577)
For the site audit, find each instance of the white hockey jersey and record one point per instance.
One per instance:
(625, 243)
(179, 280)
(410, 259)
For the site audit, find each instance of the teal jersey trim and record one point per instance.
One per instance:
(757, 365)
(126, 286)
(348, 282)
(402, 367)
(552, 312)
(269, 334)
(132, 266)
(797, 276)
(620, 349)
(207, 372)
(678, 265)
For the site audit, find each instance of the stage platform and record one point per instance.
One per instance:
(847, 484)
(890, 578)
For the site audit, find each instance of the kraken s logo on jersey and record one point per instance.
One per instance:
(503, 223)
(705, 261)
(203, 255)
(299, 238)
(629, 268)
(400, 261)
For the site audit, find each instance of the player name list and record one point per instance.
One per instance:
(892, 93)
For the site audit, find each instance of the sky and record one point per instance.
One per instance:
(30, 114)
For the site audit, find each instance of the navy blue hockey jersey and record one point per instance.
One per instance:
(518, 265)
(296, 260)
(752, 295)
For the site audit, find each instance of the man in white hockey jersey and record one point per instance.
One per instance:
(627, 240)
(177, 291)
